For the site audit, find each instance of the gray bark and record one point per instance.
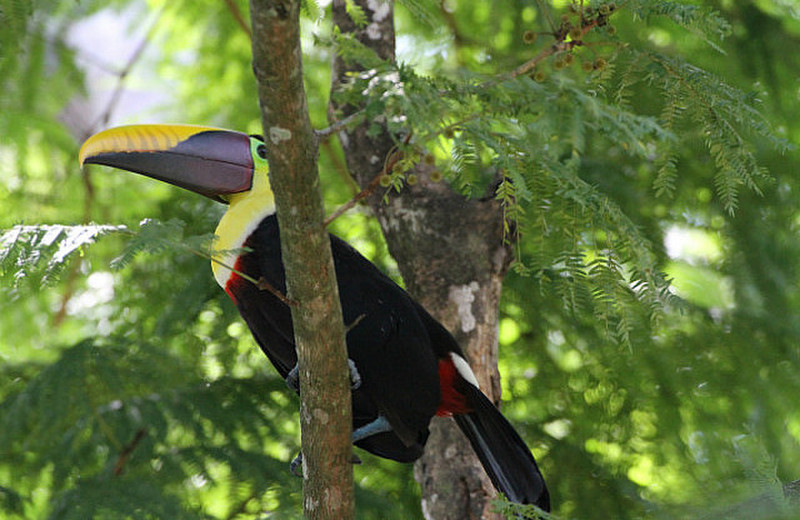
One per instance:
(452, 258)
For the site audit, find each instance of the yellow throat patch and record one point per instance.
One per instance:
(245, 212)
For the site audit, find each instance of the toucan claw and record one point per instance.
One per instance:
(296, 466)
(355, 377)
(293, 377)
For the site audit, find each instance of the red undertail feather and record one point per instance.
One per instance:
(453, 401)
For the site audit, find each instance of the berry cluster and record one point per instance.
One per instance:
(570, 33)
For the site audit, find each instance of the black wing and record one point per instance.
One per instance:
(387, 339)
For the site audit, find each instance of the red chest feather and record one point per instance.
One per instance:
(235, 281)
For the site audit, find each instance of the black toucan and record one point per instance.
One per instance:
(409, 368)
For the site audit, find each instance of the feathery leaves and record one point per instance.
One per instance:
(41, 251)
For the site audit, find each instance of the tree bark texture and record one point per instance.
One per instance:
(452, 258)
(325, 410)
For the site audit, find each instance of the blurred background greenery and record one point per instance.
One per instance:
(130, 388)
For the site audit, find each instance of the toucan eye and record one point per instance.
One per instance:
(261, 150)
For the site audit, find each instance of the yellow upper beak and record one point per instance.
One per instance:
(207, 160)
(139, 138)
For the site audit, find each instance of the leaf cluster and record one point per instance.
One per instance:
(541, 138)
(40, 252)
(118, 442)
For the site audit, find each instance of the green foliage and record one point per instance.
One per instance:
(719, 114)
(701, 21)
(115, 429)
(356, 13)
(424, 12)
(538, 135)
(641, 397)
(154, 236)
(41, 251)
(512, 510)
(354, 51)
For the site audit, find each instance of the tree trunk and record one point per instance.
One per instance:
(452, 257)
(325, 408)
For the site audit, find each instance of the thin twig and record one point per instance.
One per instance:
(88, 185)
(355, 323)
(391, 160)
(74, 270)
(125, 454)
(239, 17)
(366, 192)
(261, 283)
(528, 66)
(338, 125)
(264, 285)
(543, 8)
(339, 166)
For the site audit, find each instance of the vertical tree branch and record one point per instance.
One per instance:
(318, 326)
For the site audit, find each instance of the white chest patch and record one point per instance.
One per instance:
(225, 254)
(245, 212)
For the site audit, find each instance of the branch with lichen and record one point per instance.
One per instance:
(326, 424)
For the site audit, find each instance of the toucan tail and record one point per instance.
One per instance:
(504, 455)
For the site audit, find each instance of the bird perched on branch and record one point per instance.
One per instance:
(405, 366)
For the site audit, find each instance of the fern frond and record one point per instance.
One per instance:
(353, 51)
(356, 13)
(724, 114)
(464, 156)
(102, 391)
(104, 496)
(424, 12)
(630, 75)
(43, 250)
(697, 19)
(631, 131)
(153, 236)
(759, 465)
(666, 176)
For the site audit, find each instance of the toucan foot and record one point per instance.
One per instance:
(296, 466)
(355, 377)
(293, 377)
(379, 425)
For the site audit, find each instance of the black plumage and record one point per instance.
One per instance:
(398, 349)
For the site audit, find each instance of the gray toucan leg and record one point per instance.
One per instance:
(379, 425)
(296, 466)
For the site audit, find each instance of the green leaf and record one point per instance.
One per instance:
(41, 251)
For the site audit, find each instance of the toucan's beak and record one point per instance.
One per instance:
(209, 161)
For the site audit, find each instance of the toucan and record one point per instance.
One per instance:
(405, 366)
